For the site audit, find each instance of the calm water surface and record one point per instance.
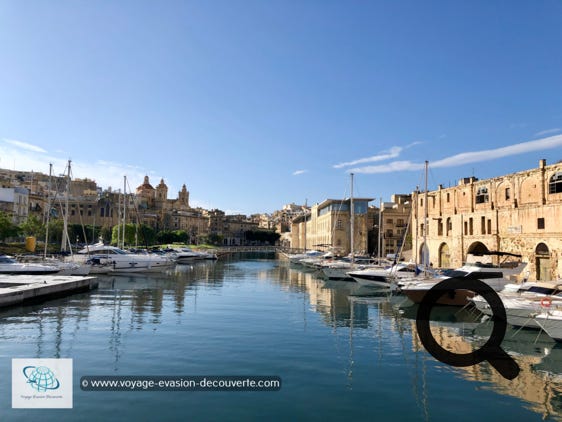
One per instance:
(342, 353)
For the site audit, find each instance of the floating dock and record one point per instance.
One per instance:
(23, 289)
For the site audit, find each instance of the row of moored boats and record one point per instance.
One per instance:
(102, 259)
(530, 304)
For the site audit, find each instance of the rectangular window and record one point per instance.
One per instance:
(470, 226)
(489, 226)
(507, 194)
(540, 223)
(483, 225)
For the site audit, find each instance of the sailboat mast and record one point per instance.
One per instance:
(65, 239)
(352, 221)
(304, 212)
(124, 207)
(425, 220)
(47, 217)
(380, 231)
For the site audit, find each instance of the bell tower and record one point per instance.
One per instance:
(161, 191)
(183, 196)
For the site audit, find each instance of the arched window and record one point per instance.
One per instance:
(482, 195)
(555, 183)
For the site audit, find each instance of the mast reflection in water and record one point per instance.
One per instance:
(342, 352)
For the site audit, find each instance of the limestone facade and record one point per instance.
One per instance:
(395, 219)
(328, 225)
(519, 213)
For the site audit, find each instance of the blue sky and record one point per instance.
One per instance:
(256, 104)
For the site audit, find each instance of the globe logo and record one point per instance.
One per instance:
(41, 378)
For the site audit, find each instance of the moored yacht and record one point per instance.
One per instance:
(339, 269)
(494, 276)
(551, 322)
(296, 258)
(386, 277)
(9, 265)
(106, 258)
(523, 303)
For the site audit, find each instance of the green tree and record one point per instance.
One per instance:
(105, 233)
(7, 227)
(56, 226)
(142, 235)
(33, 227)
(176, 236)
(146, 235)
(214, 239)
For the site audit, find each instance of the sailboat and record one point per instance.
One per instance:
(63, 267)
(107, 258)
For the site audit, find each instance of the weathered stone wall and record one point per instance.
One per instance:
(513, 213)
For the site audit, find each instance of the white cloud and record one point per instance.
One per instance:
(492, 154)
(467, 157)
(393, 152)
(299, 172)
(383, 155)
(24, 145)
(26, 157)
(548, 132)
(388, 168)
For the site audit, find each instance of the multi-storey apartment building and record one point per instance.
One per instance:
(328, 225)
(15, 203)
(519, 213)
(394, 222)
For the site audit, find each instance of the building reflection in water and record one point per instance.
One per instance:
(120, 305)
(125, 304)
(343, 304)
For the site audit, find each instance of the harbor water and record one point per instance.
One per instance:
(341, 352)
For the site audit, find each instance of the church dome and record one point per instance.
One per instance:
(146, 186)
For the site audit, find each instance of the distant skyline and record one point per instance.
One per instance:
(254, 105)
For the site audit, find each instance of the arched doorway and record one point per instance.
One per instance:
(542, 262)
(424, 255)
(478, 252)
(478, 248)
(444, 256)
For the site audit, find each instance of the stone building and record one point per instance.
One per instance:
(15, 203)
(395, 218)
(519, 213)
(88, 204)
(328, 226)
(235, 228)
(161, 213)
(216, 220)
